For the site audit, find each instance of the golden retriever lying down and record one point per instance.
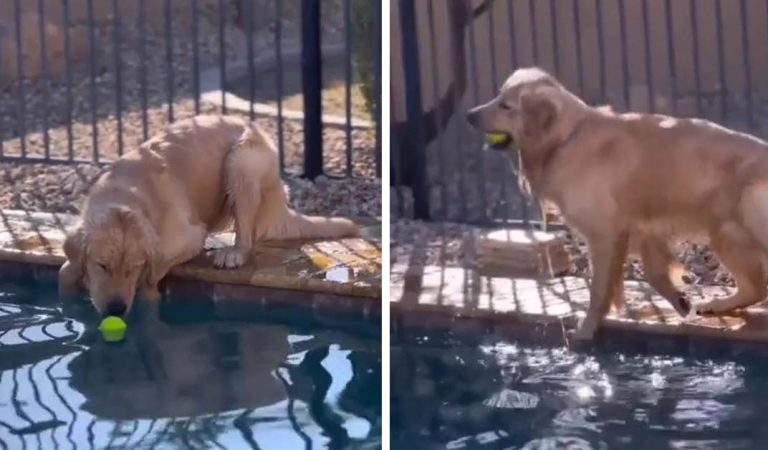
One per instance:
(639, 182)
(156, 205)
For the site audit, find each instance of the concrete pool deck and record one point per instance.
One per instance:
(456, 299)
(334, 276)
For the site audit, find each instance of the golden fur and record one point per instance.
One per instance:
(156, 205)
(639, 182)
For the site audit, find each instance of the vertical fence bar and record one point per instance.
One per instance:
(696, 65)
(648, 60)
(68, 80)
(624, 57)
(534, 37)
(671, 55)
(2, 122)
(279, 81)
(142, 18)
(118, 77)
(396, 177)
(721, 60)
(93, 89)
(460, 138)
(377, 81)
(746, 64)
(348, 83)
(195, 56)
(601, 51)
(167, 14)
(438, 118)
(476, 99)
(555, 37)
(579, 56)
(251, 69)
(222, 55)
(413, 156)
(512, 33)
(505, 199)
(312, 87)
(21, 96)
(44, 75)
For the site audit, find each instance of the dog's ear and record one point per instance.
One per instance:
(149, 240)
(538, 113)
(72, 272)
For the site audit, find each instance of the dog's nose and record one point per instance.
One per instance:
(472, 117)
(115, 308)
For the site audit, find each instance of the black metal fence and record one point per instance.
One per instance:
(83, 81)
(702, 58)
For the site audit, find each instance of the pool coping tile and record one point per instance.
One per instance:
(290, 273)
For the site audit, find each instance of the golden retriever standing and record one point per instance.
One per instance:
(638, 181)
(155, 207)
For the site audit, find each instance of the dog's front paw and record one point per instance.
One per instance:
(69, 281)
(230, 258)
(585, 332)
(151, 293)
(583, 335)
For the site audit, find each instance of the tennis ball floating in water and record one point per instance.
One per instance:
(497, 138)
(113, 329)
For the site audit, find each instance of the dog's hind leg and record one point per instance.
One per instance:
(246, 203)
(617, 299)
(658, 266)
(245, 172)
(745, 262)
(607, 255)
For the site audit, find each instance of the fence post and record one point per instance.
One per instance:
(413, 160)
(312, 85)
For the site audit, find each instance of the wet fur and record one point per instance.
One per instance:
(156, 205)
(639, 183)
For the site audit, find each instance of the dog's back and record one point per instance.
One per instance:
(184, 167)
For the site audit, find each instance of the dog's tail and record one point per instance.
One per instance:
(276, 220)
(293, 225)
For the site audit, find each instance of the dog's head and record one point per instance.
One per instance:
(109, 255)
(527, 109)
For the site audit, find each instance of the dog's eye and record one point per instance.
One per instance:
(103, 267)
(505, 106)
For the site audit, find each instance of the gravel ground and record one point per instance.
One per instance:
(451, 244)
(61, 188)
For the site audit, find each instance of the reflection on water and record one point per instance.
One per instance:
(448, 394)
(193, 385)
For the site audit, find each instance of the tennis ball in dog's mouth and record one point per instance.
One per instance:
(497, 139)
(113, 329)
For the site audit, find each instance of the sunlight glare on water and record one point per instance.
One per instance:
(502, 394)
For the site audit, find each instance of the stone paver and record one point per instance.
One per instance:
(349, 267)
(458, 292)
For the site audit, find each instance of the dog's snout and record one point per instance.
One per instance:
(115, 307)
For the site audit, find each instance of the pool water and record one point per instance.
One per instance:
(179, 383)
(501, 394)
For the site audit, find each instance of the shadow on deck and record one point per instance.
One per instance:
(462, 301)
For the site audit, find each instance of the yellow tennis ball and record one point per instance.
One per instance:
(113, 329)
(497, 138)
